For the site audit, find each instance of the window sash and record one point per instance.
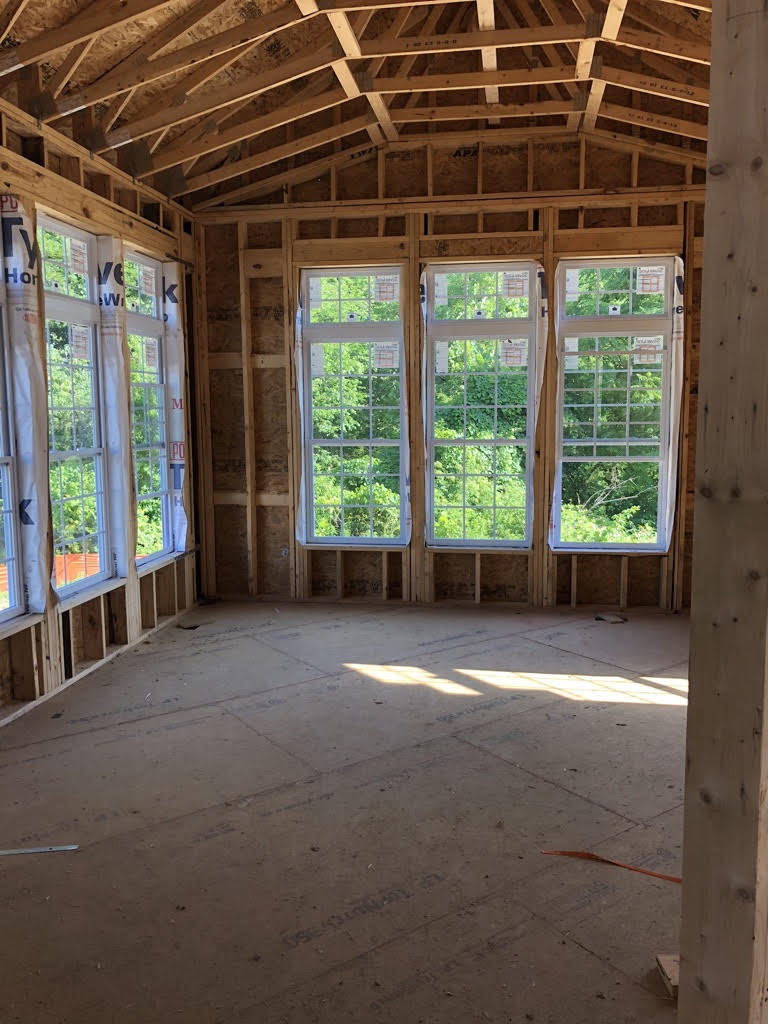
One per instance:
(342, 334)
(146, 267)
(626, 327)
(137, 326)
(605, 263)
(311, 443)
(83, 238)
(497, 330)
(60, 457)
(482, 325)
(63, 539)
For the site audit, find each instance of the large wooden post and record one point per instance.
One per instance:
(724, 949)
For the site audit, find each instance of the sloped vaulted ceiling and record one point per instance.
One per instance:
(210, 101)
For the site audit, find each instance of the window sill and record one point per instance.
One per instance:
(471, 548)
(607, 549)
(26, 620)
(155, 562)
(88, 592)
(343, 544)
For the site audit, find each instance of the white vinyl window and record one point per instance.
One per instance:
(149, 401)
(76, 448)
(614, 351)
(480, 396)
(355, 437)
(11, 597)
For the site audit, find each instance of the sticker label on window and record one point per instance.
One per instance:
(514, 284)
(81, 342)
(315, 291)
(571, 346)
(150, 353)
(614, 309)
(386, 355)
(441, 289)
(316, 360)
(514, 352)
(650, 280)
(571, 284)
(386, 288)
(148, 279)
(647, 350)
(441, 356)
(78, 251)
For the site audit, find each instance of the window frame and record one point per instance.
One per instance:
(73, 310)
(497, 329)
(350, 332)
(606, 326)
(146, 326)
(62, 313)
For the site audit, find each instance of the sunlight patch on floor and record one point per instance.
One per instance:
(598, 689)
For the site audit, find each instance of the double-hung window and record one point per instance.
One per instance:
(146, 343)
(481, 379)
(11, 599)
(614, 420)
(76, 448)
(355, 436)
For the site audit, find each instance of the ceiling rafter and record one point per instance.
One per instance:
(91, 21)
(277, 153)
(471, 80)
(614, 16)
(486, 22)
(244, 88)
(142, 72)
(201, 142)
(180, 152)
(10, 16)
(68, 67)
(220, 119)
(347, 40)
(549, 51)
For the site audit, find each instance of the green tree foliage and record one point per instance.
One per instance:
(480, 488)
(477, 295)
(148, 436)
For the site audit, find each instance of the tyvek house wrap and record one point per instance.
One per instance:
(26, 354)
(174, 367)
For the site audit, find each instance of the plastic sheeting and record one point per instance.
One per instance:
(173, 282)
(116, 375)
(21, 266)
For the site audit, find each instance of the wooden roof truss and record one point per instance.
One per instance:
(219, 100)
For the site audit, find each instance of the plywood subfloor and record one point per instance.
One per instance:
(336, 814)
